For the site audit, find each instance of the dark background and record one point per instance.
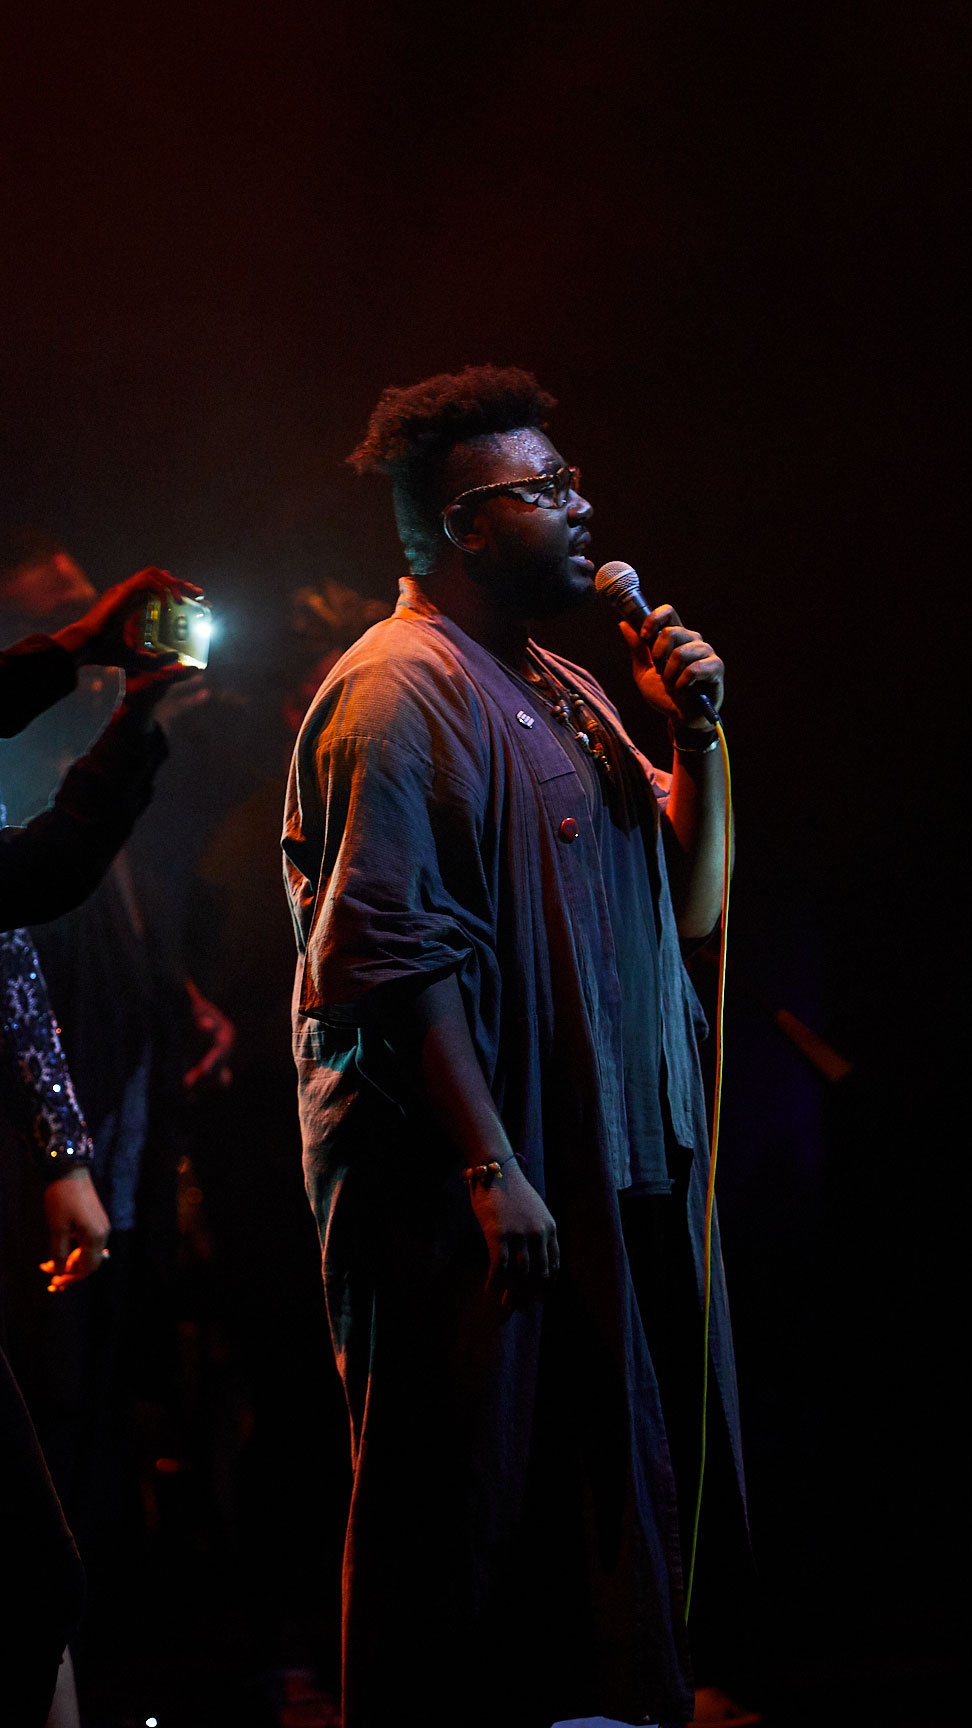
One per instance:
(725, 236)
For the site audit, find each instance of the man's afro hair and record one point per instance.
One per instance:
(412, 426)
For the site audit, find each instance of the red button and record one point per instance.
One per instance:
(569, 829)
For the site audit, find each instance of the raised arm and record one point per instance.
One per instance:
(51, 865)
(40, 670)
(671, 666)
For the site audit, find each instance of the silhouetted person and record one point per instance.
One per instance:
(46, 869)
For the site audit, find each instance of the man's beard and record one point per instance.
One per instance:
(535, 590)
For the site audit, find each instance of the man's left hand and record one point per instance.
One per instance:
(672, 666)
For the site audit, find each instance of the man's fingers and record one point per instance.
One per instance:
(669, 643)
(682, 660)
(540, 1261)
(661, 619)
(499, 1266)
(529, 1265)
(546, 1260)
(700, 665)
(522, 1260)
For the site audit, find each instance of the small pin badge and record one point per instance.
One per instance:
(524, 719)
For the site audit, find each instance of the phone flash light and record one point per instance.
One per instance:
(176, 626)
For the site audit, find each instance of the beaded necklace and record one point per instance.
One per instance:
(571, 711)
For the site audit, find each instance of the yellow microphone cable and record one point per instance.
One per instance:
(713, 1153)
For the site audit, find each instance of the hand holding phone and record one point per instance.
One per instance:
(176, 624)
(121, 628)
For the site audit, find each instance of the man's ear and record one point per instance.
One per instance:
(461, 531)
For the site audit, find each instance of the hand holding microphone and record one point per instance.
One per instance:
(674, 669)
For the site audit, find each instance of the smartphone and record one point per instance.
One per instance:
(175, 626)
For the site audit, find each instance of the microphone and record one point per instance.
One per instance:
(619, 585)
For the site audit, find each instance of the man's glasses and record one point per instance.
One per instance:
(547, 491)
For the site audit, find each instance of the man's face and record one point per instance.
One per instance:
(532, 560)
(48, 591)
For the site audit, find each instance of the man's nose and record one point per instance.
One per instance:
(579, 509)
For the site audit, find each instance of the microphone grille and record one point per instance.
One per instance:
(616, 580)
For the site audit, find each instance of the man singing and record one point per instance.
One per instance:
(504, 1125)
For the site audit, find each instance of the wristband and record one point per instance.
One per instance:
(484, 1175)
(696, 749)
(710, 742)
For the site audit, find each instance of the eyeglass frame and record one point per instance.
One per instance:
(497, 488)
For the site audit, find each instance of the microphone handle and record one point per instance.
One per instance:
(634, 611)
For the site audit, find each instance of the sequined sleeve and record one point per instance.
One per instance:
(35, 1085)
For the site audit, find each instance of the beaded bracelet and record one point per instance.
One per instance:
(484, 1175)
